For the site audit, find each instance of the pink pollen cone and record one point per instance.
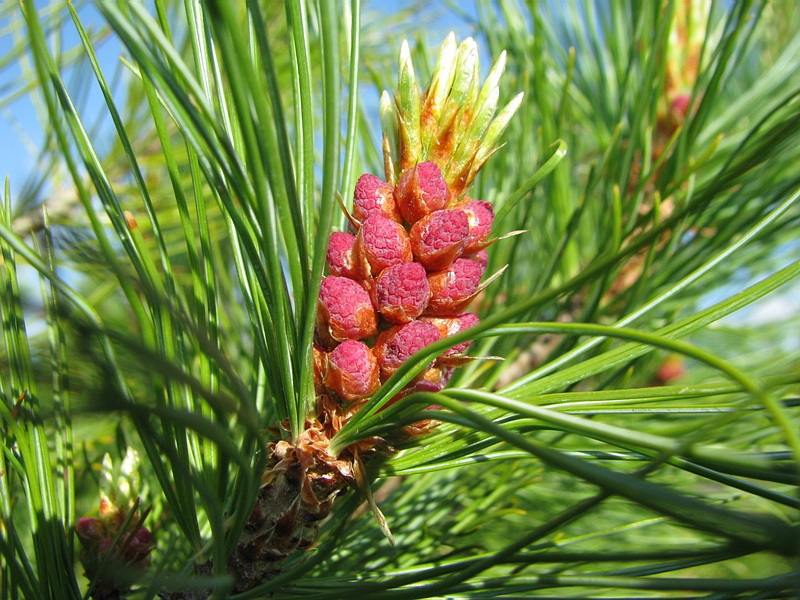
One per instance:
(448, 326)
(341, 259)
(452, 288)
(352, 371)
(373, 196)
(420, 191)
(481, 257)
(89, 530)
(438, 239)
(345, 307)
(395, 345)
(402, 292)
(481, 217)
(381, 243)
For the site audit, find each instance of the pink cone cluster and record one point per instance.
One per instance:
(401, 279)
(130, 553)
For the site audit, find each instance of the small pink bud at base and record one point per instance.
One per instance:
(345, 308)
(680, 105)
(381, 243)
(373, 196)
(420, 191)
(352, 371)
(438, 238)
(140, 546)
(481, 218)
(106, 547)
(453, 288)
(395, 345)
(341, 259)
(89, 530)
(402, 292)
(143, 536)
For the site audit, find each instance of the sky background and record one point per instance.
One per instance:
(21, 133)
(20, 130)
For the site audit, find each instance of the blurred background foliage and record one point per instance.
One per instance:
(635, 467)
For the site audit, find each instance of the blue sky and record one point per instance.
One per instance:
(19, 123)
(21, 133)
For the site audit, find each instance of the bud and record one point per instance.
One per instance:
(106, 547)
(480, 216)
(439, 238)
(89, 530)
(441, 83)
(341, 258)
(381, 243)
(453, 288)
(409, 114)
(395, 345)
(138, 550)
(402, 292)
(111, 516)
(420, 191)
(352, 371)
(345, 308)
(373, 196)
(680, 105)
